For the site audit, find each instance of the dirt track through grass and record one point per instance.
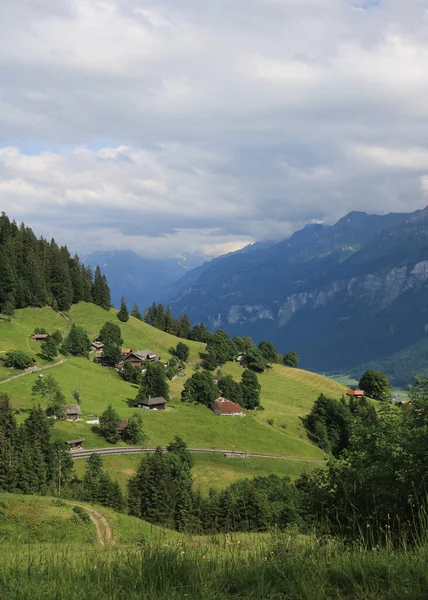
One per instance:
(104, 531)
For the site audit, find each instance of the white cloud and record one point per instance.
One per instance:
(179, 125)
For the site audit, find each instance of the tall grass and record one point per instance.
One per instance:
(288, 566)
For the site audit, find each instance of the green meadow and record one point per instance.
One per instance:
(209, 470)
(49, 552)
(287, 396)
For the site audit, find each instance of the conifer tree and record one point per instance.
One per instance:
(134, 433)
(49, 349)
(110, 333)
(250, 388)
(136, 312)
(123, 314)
(100, 291)
(77, 342)
(109, 422)
(154, 383)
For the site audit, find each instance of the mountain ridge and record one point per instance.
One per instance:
(340, 295)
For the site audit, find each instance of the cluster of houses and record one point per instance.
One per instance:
(135, 358)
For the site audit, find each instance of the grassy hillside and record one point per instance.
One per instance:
(44, 520)
(35, 519)
(287, 394)
(136, 334)
(209, 471)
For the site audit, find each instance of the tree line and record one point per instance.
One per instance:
(35, 272)
(31, 463)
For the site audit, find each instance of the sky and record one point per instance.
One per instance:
(199, 126)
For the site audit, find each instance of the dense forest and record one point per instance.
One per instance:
(35, 272)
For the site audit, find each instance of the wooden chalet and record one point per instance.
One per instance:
(72, 412)
(122, 427)
(138, 358)
(152, 403)
(355, 393)
(225, 407)
(75, 444)
(40, 337)
(97, 346)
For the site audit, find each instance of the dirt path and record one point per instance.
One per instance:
(33, 370)
(104, 532)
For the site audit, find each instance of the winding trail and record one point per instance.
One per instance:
(229, 453)
(104, 531)
(33, 370)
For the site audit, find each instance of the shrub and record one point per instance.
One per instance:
(82, 514)
(17, 359)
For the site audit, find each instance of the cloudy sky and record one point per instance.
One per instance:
(173, 126)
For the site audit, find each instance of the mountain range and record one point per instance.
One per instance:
(140, 279)
(345, 297)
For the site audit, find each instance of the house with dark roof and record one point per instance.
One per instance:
(138, 358)
(40, 337)
(97, 346)
(122, 427)
(75, 444)
(72, 412)
(152, 403)
(222, 406)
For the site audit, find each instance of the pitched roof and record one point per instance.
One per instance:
(98, 344)
(222, 406)
(79, 441)
(355, 392)
(126, 351)
(73, 409)
(153, 401)
(143, 354)
(123, 425)
(40, 336)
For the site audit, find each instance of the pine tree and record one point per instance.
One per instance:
(110, 333)
(123, 314)
(134, 433)
(77, 342)
(250, 388)
(136, 312)
(49, 349)
(154, 383)
(9, 457)
(184, 326)
(100, 291)
(109, 423)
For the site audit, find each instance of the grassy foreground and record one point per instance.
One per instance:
(48, 553)
(285, 568)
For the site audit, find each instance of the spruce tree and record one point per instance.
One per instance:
(109, 423)
(49, 349)
(250, 388)
(123, 314)
(154, 383)
(77, 342)
(136, 312)
(110, 333)
(134, 433)
(9, 456)
(100, 291)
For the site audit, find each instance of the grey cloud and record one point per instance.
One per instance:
(228, 121)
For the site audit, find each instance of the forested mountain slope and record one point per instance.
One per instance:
(35, 272)
(340, 296)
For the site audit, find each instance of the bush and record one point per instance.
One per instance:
(17, 359)
(82, 514)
